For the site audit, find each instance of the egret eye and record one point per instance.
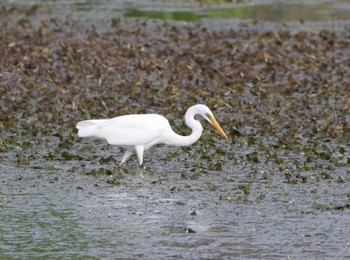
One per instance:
(197, 117)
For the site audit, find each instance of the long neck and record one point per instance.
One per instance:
(197, 129)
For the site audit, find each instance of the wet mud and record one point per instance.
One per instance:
(278, 188)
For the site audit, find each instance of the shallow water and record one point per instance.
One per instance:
(211, 15)
(63, 213)
(269, 12)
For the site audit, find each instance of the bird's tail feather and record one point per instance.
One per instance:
(88, 127)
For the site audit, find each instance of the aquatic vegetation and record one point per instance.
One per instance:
(283, 97)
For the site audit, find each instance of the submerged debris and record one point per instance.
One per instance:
(189, 230)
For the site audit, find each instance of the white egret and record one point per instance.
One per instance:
(141, 131)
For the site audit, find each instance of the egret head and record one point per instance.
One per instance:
(206, 113)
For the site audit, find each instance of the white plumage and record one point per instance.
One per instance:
(142, 131)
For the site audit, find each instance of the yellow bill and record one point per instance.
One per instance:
(217, 126)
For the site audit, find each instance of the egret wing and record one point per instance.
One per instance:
(132, 129)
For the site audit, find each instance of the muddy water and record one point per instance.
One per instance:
(295, 14)
(270, 11)
(268, 192)
(64, 213)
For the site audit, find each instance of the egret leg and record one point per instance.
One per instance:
(139, 151)
(126, 156)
